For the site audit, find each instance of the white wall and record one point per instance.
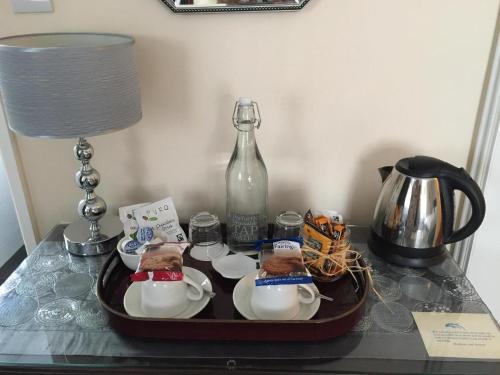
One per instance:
(344, 86)
(10, 233)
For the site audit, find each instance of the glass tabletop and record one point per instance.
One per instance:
(50, 317)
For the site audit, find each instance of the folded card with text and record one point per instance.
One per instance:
(459, 335)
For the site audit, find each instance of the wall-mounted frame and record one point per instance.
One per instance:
(215, 6)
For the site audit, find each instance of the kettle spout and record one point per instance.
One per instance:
(385, 172)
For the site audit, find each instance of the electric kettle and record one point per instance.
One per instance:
(415, 212)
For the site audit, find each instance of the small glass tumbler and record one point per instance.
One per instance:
(288, 224)
(205, 236)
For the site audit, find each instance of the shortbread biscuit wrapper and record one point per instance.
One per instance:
(281, 263)
(161, 262)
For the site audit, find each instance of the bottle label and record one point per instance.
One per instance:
(244, 228)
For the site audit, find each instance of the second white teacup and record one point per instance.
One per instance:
(280, 302)
(166, 299)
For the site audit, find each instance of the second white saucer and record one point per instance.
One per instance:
(208, 253)
(132, 298)
(234, 266)
(242, 294)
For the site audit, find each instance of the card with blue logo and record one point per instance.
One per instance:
(459, 335)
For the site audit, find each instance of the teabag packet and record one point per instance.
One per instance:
(161, 262)
(127, 218)
(162, 217)
(281, 263)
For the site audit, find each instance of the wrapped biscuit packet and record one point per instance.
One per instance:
(281, 263)
(161, 262)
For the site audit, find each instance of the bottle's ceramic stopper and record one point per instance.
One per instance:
(244, 101)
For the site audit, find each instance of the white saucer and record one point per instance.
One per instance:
(234, 266)
(132, 298)
(245, 252)
(243, 292)
(204, 253)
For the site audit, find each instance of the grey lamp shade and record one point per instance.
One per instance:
(67, 85)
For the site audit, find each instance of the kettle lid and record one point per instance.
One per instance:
(423, 166)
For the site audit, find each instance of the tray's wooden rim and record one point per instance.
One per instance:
(114, 255)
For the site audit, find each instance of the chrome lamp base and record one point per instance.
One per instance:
(77, 239)
(94, 233)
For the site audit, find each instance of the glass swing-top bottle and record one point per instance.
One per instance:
(246, 182)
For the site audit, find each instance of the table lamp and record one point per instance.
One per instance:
(73, 85)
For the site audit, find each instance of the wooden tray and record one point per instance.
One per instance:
(221, 321)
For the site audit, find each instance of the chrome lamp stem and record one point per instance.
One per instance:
(93, 234)
(87, 178)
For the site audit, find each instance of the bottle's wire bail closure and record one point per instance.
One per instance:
(257, 120)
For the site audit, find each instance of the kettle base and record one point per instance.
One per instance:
(405, 256)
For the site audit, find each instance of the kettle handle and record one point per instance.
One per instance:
(459, 179)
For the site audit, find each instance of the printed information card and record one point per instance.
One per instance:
(459, 335)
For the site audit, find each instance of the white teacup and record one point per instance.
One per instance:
(280, 302)
(166, 299)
